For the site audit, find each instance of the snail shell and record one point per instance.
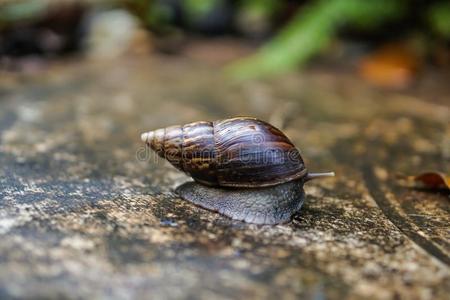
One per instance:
(244, 168)
(238, 152)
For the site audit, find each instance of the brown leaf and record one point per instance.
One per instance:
(428, 180)
(392, 66)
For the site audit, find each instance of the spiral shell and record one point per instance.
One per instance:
(238, 152)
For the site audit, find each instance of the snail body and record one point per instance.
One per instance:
(243, 167)
(264, 205)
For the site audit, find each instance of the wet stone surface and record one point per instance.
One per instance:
(86, 212)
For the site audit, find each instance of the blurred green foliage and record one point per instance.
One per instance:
(20, 10)
(310, 30)
(257, 8)
(311, 24)
(439, 18)
(195, 9)
(314, 25)
(157, 16)
(255, 18)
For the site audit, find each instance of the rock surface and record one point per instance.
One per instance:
(87, 212)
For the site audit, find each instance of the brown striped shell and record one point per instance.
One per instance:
(238, 152)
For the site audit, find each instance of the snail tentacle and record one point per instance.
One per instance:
(311, 176)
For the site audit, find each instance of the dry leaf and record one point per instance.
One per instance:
(427, 180)
(391, 66)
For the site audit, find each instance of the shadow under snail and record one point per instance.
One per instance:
(243, 168)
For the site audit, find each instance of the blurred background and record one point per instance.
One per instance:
(387, 42)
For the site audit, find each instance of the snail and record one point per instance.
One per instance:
(243, 168)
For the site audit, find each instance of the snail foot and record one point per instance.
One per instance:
(265, 205)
